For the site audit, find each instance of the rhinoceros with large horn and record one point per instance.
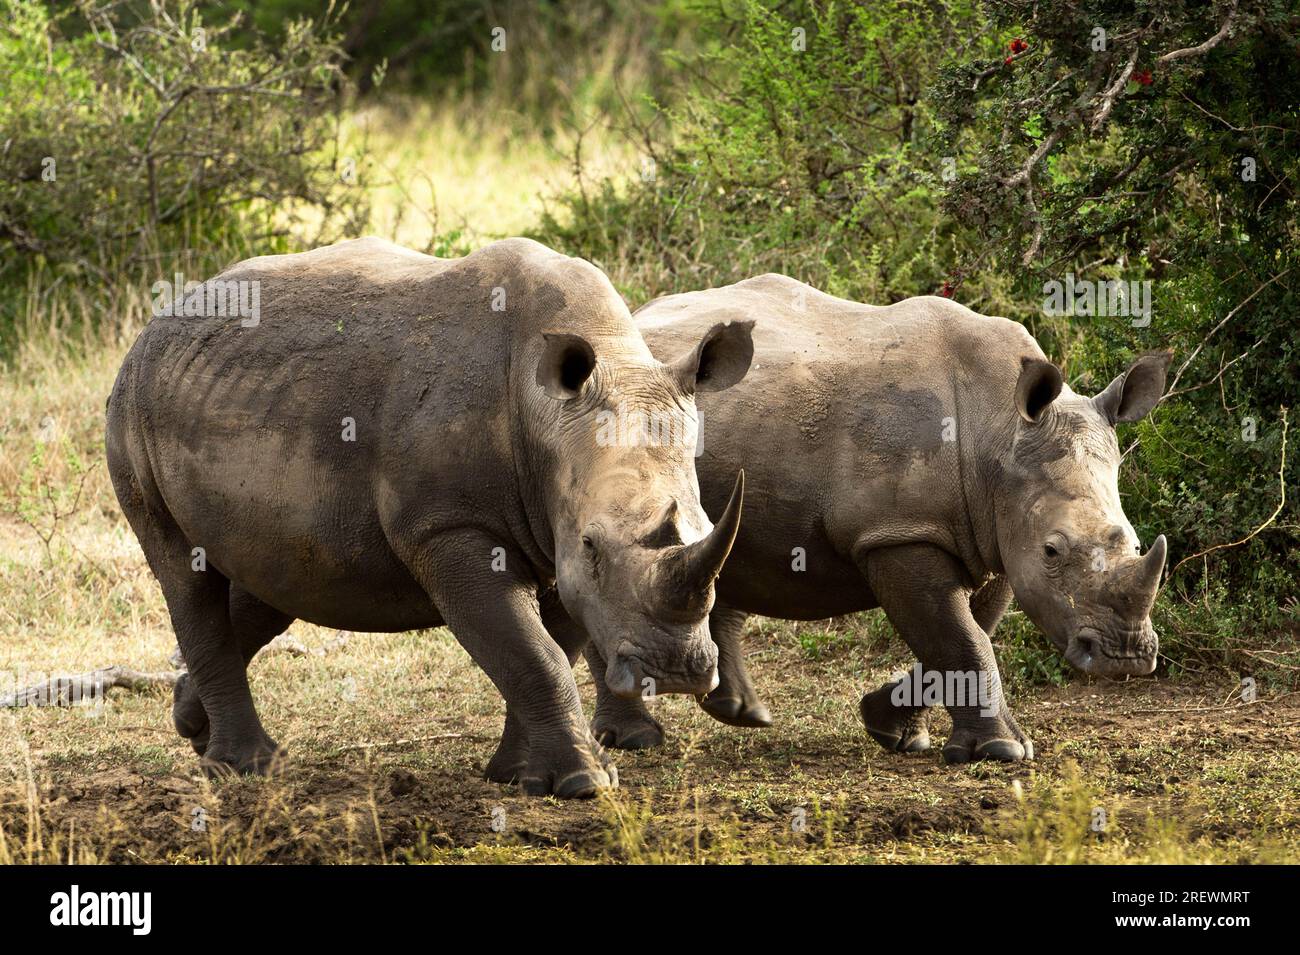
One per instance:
(397, 441)
(925, 459)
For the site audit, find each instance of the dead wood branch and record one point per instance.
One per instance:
(1208, 45)
(1281, 504)
(70, 689)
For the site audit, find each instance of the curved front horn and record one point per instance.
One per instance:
(703, 560)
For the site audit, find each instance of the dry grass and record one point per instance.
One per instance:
(447, 178)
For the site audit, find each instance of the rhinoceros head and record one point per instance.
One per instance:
(1073, 558)
(635, 553)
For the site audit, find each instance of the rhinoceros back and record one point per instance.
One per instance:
(292, 450)
(849, 426)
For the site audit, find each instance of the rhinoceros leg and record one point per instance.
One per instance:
(255, 624)
(920, 588)
(497, 619)
(511, 757)
(200, 615)
(620, 723)
(197, 599)
(906, 729)
(989, 604)
(899, 728)
(734, 701)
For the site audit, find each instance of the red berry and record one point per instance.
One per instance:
(1143, 77)
(946, 291)
(1018, 45)
(1008, 61)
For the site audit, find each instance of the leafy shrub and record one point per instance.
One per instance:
(129, 132)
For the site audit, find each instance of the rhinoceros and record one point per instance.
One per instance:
(925, 459)
(399, 441)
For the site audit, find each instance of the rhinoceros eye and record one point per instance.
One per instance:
(1055, 547)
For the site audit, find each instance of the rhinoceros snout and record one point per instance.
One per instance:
(1128, 654)
(629, 676)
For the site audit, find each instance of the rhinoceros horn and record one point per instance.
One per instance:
(1141, 580)
(1153, 565)
(698, 564)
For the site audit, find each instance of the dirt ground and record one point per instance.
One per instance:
(387, 737)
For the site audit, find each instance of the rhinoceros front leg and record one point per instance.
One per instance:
(495, 616)
(619, 723)
(511, 757)
(920, 589)
(906, 729)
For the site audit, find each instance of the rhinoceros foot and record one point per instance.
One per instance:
(188, 714)
(625, 724)
(735, 711)
(995, 737)
(569, 772)
(258, 756)
(506, 768)
(899, 729)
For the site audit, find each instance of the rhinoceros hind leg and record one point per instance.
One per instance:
(255, 624)
(900, 729)
(734, 701)
(236, 741)
(189, 716)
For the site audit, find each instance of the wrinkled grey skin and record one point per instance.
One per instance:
(475, 482)
(930, 461)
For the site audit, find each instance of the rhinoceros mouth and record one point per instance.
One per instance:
(628, 675)
(1092, 652)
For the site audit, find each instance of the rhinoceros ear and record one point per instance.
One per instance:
(1039, 384)
(1132, 395)
(720, 359)
(566, 364)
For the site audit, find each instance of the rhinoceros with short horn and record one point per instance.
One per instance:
(925, 459)
(398, 442)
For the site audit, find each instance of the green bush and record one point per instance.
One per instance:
(127, 137)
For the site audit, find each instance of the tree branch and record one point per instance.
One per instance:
(1205, 47)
